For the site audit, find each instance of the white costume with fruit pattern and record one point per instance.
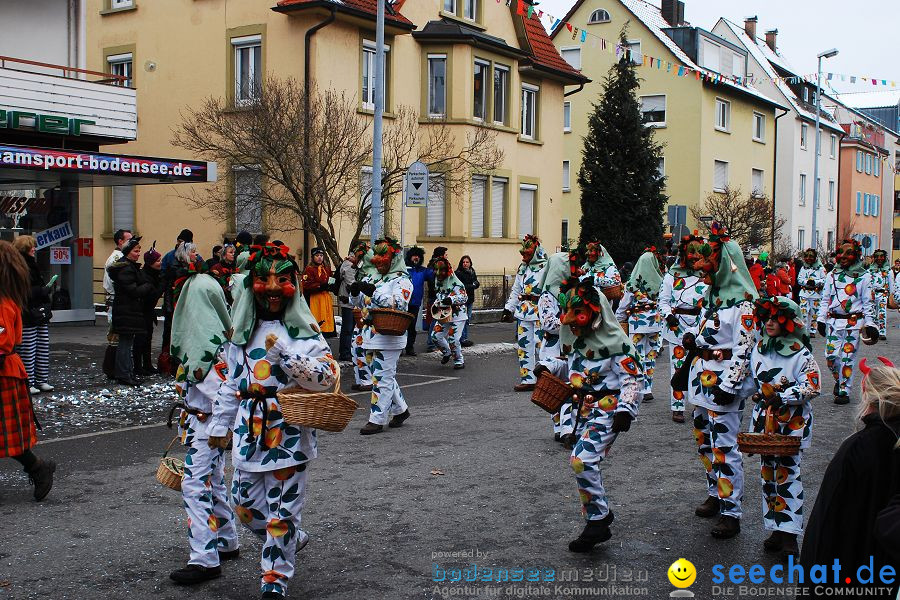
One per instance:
(683, 294)
(522, 303)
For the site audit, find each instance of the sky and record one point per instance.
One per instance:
(864, 32)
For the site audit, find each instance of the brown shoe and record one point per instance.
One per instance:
(726, 528)
(371, 428)
(678, 416)
(397, 420)
(709, 508)
(773, 543)
(789, 545)
(524, 387)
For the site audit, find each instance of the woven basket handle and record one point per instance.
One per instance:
(172, 443)
(337, 378)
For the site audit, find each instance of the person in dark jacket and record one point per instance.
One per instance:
(168, 272)
(859, 484)
(143, 363)
(431, 295)
(465, 272)
(132, 290)
(419, 274)
(35, 348)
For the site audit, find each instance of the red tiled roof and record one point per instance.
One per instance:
(542, 49)
(365, 6)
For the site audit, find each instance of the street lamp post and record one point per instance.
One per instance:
(815, 208)
(376, 205)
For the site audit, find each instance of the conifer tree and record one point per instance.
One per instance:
(622, 199)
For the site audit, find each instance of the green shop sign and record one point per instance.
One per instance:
(19, 119)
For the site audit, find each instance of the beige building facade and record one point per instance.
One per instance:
(473, 63)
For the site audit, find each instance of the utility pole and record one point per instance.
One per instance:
(815, 207)
(377, 125)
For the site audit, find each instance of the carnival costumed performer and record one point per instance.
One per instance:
(681, 299)
(366, 273)
(522, 305)
(717, 380)
(882, 289)
(451, 294)
(847, 308)
(606, 376)
(639, 311)
(276, 344)
(558, 271)
(200, 329)
(392, 289)
(811, 280)
(316, 281)
(602, 271)
(786, 379)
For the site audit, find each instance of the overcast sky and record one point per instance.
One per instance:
(865, 32)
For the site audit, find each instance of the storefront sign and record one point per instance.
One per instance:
(19, 119)
(48, 237)
(60, 255)
(22, 205)
(66, 161)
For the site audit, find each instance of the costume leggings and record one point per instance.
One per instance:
(841, 346)
(591, 449)
(716, 435)
(362, 375)
(677, 357)
(35, 353)
(269, 503)
(387, 398)
(211, 526)
(529, 336)
(448, 337)
(809, 309)
(648, 346)
(881, 312)
(782, 490)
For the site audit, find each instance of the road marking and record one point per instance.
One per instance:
(81, 436)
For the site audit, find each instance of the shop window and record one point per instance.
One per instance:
(247, 199)
(247, 69)
(121, 66)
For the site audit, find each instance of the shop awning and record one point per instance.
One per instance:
(24, 166)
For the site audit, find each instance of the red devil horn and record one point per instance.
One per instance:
(864, 367)
(886, 362)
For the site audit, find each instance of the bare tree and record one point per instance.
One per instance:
(309, 150)
(751, 219)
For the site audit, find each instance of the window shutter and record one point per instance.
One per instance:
(434, 212)
(721, 175)
(478, 189)
(122, 207)
(248, 206)
(498, 197)
(526, 210)
(653, 103)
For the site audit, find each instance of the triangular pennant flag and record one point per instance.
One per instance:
(583, 35)
(697, 75)
(555, 24)
(568, 25)
(520, 8)
(852, 79)
(680, 71)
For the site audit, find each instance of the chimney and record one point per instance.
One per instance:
(673, 12)
(750, 27)
(771, 36)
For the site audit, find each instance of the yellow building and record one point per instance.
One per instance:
(714, 133)
(476, 63)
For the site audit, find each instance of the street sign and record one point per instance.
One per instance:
(417, 185)
(706, 219)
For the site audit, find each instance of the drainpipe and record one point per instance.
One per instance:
(306, 83)
(775, 181)
(580, 87)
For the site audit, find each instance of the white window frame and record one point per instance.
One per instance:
(723, 112)
(868, 163)
(567, 117)
(598, 17)
(530, 132)
(804, 136)
(368, 60)
(833, 151)
(120, 4)
(874, 204)
(876, 165)
(497, 229)
(859, 161)
(436, 185)
(806, 94)
(758, 192)
(831, 189)
(577, 50)
(486, 79)
(801, 238)
(503, 101)
(429, 99)
(817, 193)
(655, 124)
(759, 127)
(566, 176)
(720, 189)
(122, 64)
(802, 189)
(470, 6)
(239, 44)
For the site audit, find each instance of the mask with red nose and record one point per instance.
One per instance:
(581, 309)
(274, 278)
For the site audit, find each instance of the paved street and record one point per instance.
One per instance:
(474, 471)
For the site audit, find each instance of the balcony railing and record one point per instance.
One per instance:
(21, 64)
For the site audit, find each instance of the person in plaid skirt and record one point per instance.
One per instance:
(17, 422)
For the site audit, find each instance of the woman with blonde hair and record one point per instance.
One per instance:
(860, 482)
(17, 422)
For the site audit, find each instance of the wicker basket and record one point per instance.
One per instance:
(892, 303)
(614, 293)
(328, 411)
(769, 443)
(388, 321)
(550, 392)
(171, 470)
(357, 318)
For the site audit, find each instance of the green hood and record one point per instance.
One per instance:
(790, 342)
(366, 268)
(732, 283)
(398, 269)
(537, 261)
(603, 261)
(606, 339)
(240, 263)
(556, 272)
(448, 283)
(646, 276)
(854, 270)
(200, 325)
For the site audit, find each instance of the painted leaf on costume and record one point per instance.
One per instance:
(257, 353)
(300, 457)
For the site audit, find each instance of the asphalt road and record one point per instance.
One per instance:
(475, 472)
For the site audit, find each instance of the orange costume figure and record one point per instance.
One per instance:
(316, 279)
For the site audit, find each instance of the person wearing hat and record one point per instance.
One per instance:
(316, 279)
(451, 294)
(882, 289)
(143, 364)
(366, 274)
(120, 237)
(601, 270)
(132, 290)
(522, 307)
(810, 280)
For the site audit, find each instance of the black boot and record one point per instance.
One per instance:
(397, 421)
(109, 362)
(594, 533)
(726, 528)
(789, 545)
(774, 543)
(41, 475)
(709, 508)
(193, 574)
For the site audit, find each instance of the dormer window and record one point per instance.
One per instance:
(599, 16)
